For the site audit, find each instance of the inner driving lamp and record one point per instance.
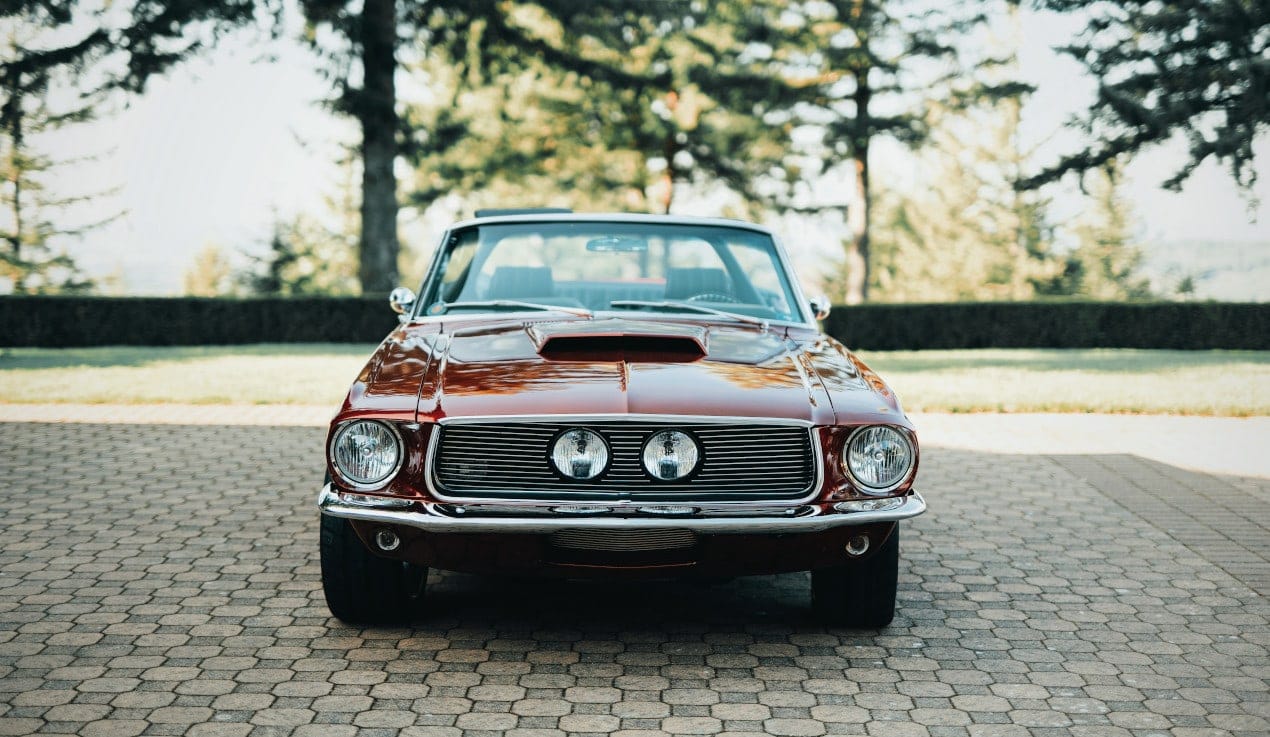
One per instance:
(670, 455)
(580, 454)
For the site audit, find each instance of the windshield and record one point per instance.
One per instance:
(592, 265)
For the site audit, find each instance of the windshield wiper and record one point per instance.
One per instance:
(691, 308)
(579, 311)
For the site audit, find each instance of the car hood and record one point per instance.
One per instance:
(621, 366)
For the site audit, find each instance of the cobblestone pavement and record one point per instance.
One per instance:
(163, 580)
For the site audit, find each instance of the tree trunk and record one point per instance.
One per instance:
(670, 147)
(1020, 277)
(857, 289)
(857, 256)
(15, 178)
(377, 113)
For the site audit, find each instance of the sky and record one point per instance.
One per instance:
(227, 144)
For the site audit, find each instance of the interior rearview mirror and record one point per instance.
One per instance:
(617, 244)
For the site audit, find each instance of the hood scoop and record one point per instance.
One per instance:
(617, 339)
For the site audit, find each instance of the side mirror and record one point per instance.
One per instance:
(819, 306)
(402, 301)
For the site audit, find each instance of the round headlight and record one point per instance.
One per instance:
(670, 455)
(580, 454)
(878, 458)
(366, 453)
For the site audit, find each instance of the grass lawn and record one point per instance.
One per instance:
(1225, 383)
(252, 374)
(1232, 383)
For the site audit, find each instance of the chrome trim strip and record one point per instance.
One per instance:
(429, 463)
(375, 502)
(624, 417)
(614, 217)
(430, 518)
(514, 316)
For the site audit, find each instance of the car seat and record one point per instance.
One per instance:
(689, 282)
(521, 282)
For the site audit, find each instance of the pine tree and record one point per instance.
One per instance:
(967, 233)
(621, 105)
(80, 52)
(120, 48)
(1105, 264)
(1195, 69)
(312, 253)
(363, 70)
(870, 61)
(210, 275)
(526, 138)
(34, 228)
(304, 257)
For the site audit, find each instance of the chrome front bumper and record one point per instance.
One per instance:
(540, 517)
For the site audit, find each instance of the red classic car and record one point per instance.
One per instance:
(614, 395)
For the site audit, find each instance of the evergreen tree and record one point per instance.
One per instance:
(304, 257)
(210, 275)
(1190, 68)
(117, 47)
(620, 105)
(520, 140)
(872, 67)
(33, 225)
(1105, 264)
(364, 73)
(277, 273)
(314, 253)
(79, 53)
(968, 233)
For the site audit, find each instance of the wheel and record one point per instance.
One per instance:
(861, 594)
(361, 587)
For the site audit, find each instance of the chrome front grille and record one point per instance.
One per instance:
(624, 540)
(510, 461)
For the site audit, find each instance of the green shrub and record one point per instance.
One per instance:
(63, 322)
(1173, 325)
(57, 322)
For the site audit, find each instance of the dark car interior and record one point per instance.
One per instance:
(536, 283)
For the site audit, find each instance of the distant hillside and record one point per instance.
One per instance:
(1229, 271)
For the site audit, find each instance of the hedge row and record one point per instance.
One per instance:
(89, 321)
(1175, 325)
(63, 322)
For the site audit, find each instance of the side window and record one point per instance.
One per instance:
(454, 270)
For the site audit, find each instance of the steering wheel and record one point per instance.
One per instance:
(713, 297)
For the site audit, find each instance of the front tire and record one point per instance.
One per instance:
(361, 587)
(860, 594)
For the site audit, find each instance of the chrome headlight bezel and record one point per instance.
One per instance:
(903, 478)
(692, 440)
(340, 431)
(604, 443)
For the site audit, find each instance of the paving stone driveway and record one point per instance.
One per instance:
(163, 580)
